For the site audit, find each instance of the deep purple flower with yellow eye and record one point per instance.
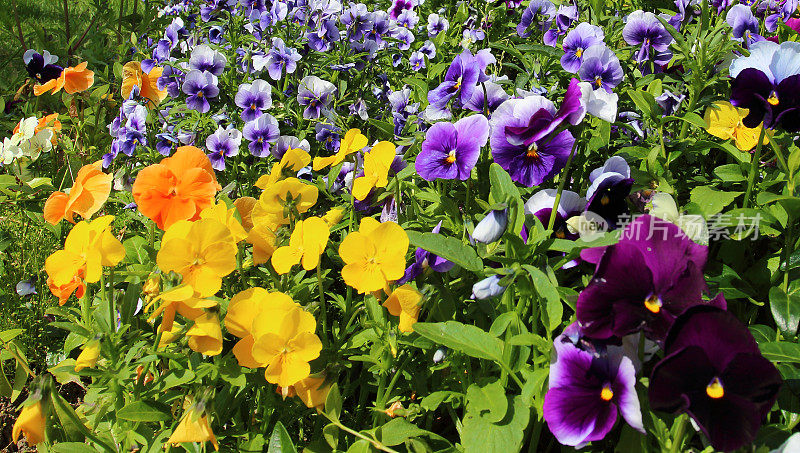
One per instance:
(591, 384)
(744, 25)
(460, 82)
(253, 99)
(713, 370)
(767, 83)
(417, 61)
(526, 140)
(451, 150)
(280, 59)
(600, 67)
(610, 186)
(41, 66)
(315, 94)
(200, 86)
(486, 98)
(261, 133)
(436, 24)
(576, 42)
(643, 29)
(329, 135)
(322, 38)
(425, 260)
(540, 14)
(652, 275)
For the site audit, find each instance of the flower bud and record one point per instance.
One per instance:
(492, 227)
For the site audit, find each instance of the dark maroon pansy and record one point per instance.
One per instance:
(714, 371)
(642, 283)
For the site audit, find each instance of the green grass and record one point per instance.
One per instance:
(43, 27)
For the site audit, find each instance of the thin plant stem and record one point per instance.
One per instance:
(561, 183)
(751, 176)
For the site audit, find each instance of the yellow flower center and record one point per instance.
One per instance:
(714, 389)
(200, 94)
(252, 106)
(605, 200)
(451, 157)
(533, 151)
(578, 52)
(606, 394)
(598, 81)
(773, 99)
(653, 303)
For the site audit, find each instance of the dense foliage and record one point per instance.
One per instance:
(416, 226)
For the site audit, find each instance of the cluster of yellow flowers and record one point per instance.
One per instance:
(200, 246)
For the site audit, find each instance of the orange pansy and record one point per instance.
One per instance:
(86, 197)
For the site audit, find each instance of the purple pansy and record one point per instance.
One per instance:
(744, 25)
(600, 67)
(261, 133)
(564, 18)
(767, 83)
(287, 142)
(610, 186)
(570, 204)
(253, 99)
(643, 29)
(526, 140)
(398, 6)
(204, 58)
(714, 371)
(590, 385)
(652, 275)
(487, 97)
(199, 86)
(41, 66)
(576, 42)
(221, 144)
(315, 94)
(459, 82)
(540, 14)
(280, 59)
(424, 260)
(451, 150)
(436, 24)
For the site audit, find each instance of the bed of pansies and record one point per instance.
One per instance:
(418, 226)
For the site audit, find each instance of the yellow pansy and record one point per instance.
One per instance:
(132, 75)
(353, 141)
(286, 344)
(202, 252)
(180, 299)
(225, 216)
(405, 303)
(374, 255)
(290, 191)
(169, 336)
(313, 391)
(725, 121)
(293, 160)
(244, 206)
(205, 336)
(89, 356)
(31, 421)
(193, 427)
(306, 244)
(89, 247)
(376, 169)
(244, 308)
(333, 216)
(263, 240)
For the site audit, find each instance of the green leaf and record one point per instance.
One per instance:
(449, 248)
(333, 402)
(8, 335)
(689, 117)
(398, 430)
(644, 101)
(480, 436)
(790, 204)
(72, 447)
(432, 401)
(730, 173)
(712, 201)
(488, 402)
(554, 310)
(470, 340)
(279, 441)
(145, 411)
(785, 309)
(781, 351)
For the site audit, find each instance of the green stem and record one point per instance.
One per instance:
(751, 176)
(323, 309)
(374, 442)
(561, 183)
